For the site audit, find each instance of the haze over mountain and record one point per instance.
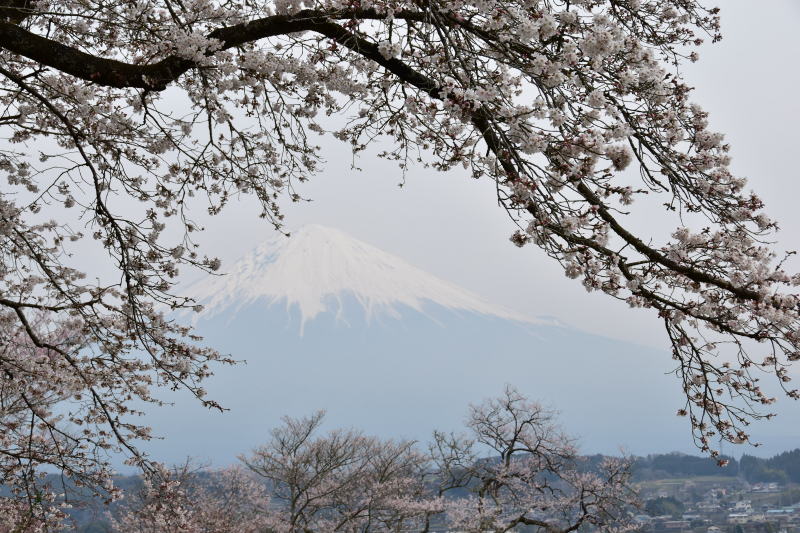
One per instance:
(326, 321)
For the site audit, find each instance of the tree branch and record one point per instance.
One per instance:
(156, 76)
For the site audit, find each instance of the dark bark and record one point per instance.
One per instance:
(15, 11)
(112, 73)
(156, 76)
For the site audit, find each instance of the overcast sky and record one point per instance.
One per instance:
(451, 226)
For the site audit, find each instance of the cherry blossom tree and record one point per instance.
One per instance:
(38, 393)
(343, 481)
(517, 467)
(532, 475)
(187, 500)
(19, 516)
(121, 117)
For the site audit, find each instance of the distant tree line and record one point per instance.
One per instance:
(782, 468)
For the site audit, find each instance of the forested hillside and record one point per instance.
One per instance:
(784, 467)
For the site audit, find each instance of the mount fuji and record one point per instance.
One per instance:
(325, 321)
(318, 268)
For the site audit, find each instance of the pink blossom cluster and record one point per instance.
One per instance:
(19, 516)
(184, 500)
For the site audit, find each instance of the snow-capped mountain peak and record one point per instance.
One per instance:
(315, 267)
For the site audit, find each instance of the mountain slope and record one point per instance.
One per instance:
(314, 268)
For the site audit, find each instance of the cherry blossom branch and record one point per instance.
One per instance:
(156, 77)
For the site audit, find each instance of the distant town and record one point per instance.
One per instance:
(681, 493)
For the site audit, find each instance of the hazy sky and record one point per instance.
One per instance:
(451, 226)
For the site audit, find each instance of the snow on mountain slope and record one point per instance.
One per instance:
(317, 266)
